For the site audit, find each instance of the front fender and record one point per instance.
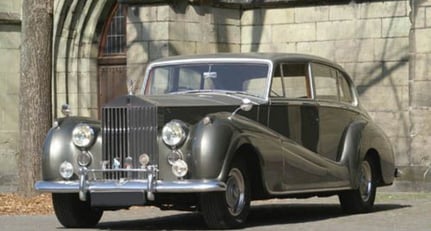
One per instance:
(212, 144)
(58, 147)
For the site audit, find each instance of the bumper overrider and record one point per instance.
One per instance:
(148, 185)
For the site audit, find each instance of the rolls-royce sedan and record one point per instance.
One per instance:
(211, 133)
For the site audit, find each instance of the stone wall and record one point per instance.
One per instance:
(155, 31)
(384, 45)
(10, 41)
(418, 170)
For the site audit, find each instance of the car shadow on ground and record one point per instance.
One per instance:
(260, 215)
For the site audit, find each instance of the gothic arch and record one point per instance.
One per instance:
(77, 28)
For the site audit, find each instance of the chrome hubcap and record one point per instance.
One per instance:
(366, 181)
(235, 192)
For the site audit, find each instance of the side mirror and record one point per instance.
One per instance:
(246, 105)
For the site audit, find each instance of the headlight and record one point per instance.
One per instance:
(174, 133)
(83, 135)
(84, 158)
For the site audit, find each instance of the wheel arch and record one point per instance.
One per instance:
(364, 139)
(253, 162)
(373, 155)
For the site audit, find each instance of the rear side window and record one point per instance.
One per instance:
(325, 82)
(331, 84)
(345, 89)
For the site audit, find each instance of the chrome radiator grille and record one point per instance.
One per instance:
(128, 132)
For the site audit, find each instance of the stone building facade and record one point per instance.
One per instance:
(10, 41)
(384, 45)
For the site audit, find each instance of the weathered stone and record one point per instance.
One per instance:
(226, 16)
(279, 47)
(384, 98)
(393, 123)
(354, 50)
(419, 18)
(158, 50)
(153, 31)
(278, 16)
(422, 67)
(9, 59)
(336, 30)
(228, 34)
(137, 52)
(383, 9)
(252, 17)
(396, 27)
(294, 32)
(324, 49)
(391, 49)
(421, 96)
(256, 34)
(428, 17)
(421, 119)
(184, 47)
(177, 31)
(10, 37)
(368, 28)
(343, 12)
(311, 14)
(423, 44)
(401, 146)
(419, 147)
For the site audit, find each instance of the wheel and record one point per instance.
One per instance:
(71, 212)
(362, 199)
(229, 209)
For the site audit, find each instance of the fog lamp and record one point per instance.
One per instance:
(180, 168)
(66, 170)
(85, 158)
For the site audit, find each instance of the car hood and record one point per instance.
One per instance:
(184, 100)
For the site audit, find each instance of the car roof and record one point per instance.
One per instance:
(272, 57)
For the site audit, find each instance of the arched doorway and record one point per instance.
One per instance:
(112, 62)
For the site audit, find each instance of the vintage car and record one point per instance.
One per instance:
(210, 133)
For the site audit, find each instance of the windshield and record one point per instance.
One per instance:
(245, 78)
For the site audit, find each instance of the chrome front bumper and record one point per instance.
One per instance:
(150, 185)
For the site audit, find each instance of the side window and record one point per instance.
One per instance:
(344, 88)
(325, 82)
(290, 81)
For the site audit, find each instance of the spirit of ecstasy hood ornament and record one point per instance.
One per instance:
(130, 86)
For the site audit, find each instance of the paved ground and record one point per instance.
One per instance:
(393, 211)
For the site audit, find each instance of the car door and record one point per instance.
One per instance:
(336, 112)
(294, 115)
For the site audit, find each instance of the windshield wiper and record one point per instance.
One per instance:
(190, 91)
(215, 91)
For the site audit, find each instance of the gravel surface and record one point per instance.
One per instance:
(13, 204)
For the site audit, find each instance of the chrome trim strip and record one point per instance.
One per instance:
(186, 186)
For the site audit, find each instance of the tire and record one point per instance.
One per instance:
(71, 212)
(362, 199)
(229, 209)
